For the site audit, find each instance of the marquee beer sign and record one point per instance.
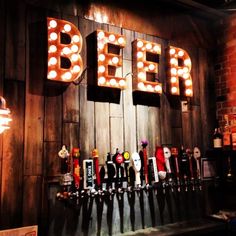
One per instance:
(145, 56)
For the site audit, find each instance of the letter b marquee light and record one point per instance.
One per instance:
(58, 50)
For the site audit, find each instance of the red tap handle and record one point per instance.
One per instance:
(76, 167)
(145, 160)
(160, 159)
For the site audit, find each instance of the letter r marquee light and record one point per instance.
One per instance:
(58, 50)
(141, 66)
(179, 66)
(106, 59)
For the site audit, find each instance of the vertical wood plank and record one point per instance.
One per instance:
(15, 38)
(196, 127)
(12, 163)
(32, 200)
(87, 119)
(187, 129)
(71, 134)
(117, 136)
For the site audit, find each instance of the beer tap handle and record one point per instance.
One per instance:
(197, 157)
(144, 144)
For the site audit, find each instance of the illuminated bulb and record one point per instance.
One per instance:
(52, 61)
(66, 50)
(141, 86)
(122, 83)
(53, 36)
(188, 92)
(140, 64)
(121, 40)
(185, 70)
(180, 72)
(173, 79)
(186, 75)
(101, 35)
(149, 87)
(67, 76)
(187, 62)
(52, 48)
(75, 38)
(158, 88)
(76, 69)
(151, 67)
(180, 53)
(67, 27)
(101, 57)
(172, 51)
(157, 48)
(101, 80)
(140, 54)
(139, 44)
(141, 75)
(173, 61)
(53, 24)
(174, 90)
(188, 82)
(173, 71)
(74, 57)
(112, 82)
(115, 60)
(112, 37)
(74, 48)
(148, 46)
(101, 69)
(100, 45)
(52, 74)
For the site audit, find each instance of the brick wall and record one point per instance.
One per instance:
(225, 68)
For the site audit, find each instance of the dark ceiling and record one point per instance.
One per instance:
(222, 5)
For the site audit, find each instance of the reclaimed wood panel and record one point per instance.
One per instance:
(87, 119)
(12, 162)
(187, 129)
(34, 110)
(53, 117)
(130, 136)
(32, 193)
(15, 38)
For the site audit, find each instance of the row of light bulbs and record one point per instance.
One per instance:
(56, 50)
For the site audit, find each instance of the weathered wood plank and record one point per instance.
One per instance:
(52, 163)
(71, 134)
(116, 134)
(12, 163)
(177, 138)
(87, 119)
(130, 142)
(53, 117)
(32, 193)
(34, 113)
(15, 38)
(187, 129)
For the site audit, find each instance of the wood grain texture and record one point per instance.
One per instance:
(13, 152)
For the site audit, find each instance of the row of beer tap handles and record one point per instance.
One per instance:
(170, 168)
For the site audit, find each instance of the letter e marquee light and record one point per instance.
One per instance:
(58, 50)
(106, 59)
(142, 66)
(179, 66)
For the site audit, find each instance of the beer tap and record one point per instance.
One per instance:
(136, 164)
(160, 160)
(153, 173)
(118, 159)
(126, 156)
(197, 157)
(110, 176)
(98, 187)
(78, 193)
(167, 155)
(88, 181)
(144, 144)
(184, 167)
(190, 154)
(174, 152)
(66, 178)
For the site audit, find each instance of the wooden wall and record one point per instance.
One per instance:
(46, 115)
